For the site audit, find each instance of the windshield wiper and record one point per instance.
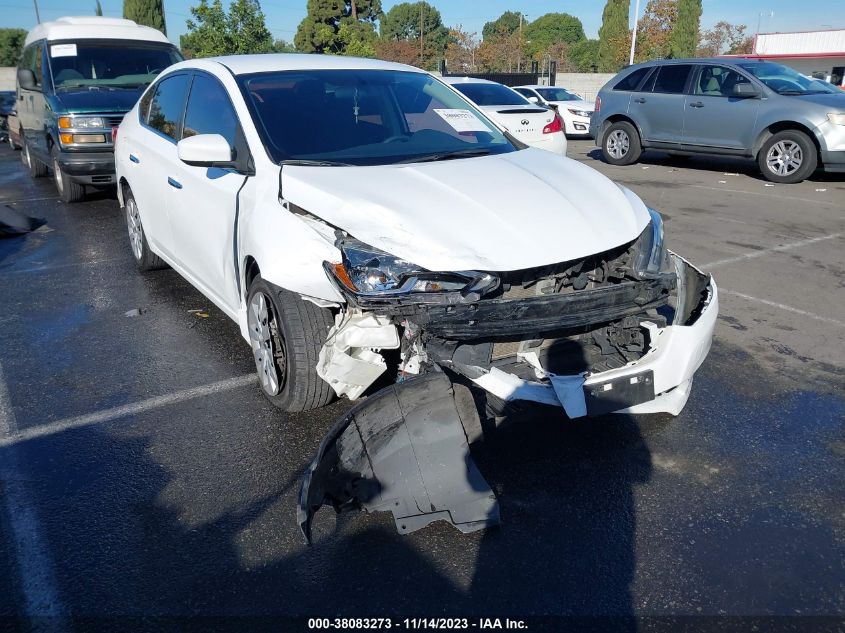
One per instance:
(461, 153)
(294, 162)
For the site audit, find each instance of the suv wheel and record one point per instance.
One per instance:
(621, 144)
(788, 157)
(286, 334)
(36, 168)
(69, 191)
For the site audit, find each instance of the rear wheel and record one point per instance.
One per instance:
(36, 168)
(69, 191)
(145, 259)
(788, 157)
(286, 334)
(621, 144)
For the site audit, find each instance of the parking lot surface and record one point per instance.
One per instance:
(143, 474)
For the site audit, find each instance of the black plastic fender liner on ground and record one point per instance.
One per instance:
(403, 450)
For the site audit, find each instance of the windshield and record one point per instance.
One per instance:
(784, 80)
(365, 117)
(109, 65)
(557, 94)
(491, 94)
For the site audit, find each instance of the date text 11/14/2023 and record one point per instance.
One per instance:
(416, 623)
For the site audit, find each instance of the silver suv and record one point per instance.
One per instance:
(732, 106)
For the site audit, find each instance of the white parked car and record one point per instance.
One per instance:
(533, 125)
(360, 220)
(572, 108)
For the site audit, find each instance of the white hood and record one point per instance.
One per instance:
(503, 212)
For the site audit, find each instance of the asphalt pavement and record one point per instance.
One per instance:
(143, 475)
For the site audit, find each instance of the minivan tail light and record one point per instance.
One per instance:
(555, 126)
(598, 103)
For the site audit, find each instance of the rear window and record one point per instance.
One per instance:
(633, 80)
(672, 78)
(491, 94)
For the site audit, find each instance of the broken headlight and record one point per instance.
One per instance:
(368, 270)
(649, 250)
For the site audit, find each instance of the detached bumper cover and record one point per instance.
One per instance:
(403, 450)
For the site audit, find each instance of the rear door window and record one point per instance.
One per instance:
(672, 78)
(167, 106)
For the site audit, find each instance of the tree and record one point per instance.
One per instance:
(402, 22)
(283, 46)
(501, 53)
(212, 31)
(723, 38)
(461, 51)
(146, 12)
(356, 38)
(552, 28)
(401, 51)
(505, 24)
(684, 38)
(655, 28)
(613, 36)
(11, 45)
(584, 56)
(98, 9)
(319, 30)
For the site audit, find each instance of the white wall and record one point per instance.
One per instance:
(585, 84)
(832, 41)
(7, 78)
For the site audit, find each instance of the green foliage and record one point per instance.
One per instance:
(146, 12)
(683, 41)
(11, 45)
(505, 24)
(212, 31)
(283, 46)
(319, 31)
(357, 38)
(402, 23)
(613, 36)
(98, 9)
(584, 56)
(550, 29)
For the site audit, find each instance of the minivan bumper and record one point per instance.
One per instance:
(88, 168)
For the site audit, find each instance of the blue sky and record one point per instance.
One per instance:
(283, 16)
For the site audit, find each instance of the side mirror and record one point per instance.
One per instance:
(205, 150)
(745, 91)
(533, 99)
(26, 78)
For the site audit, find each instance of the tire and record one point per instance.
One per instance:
(286, 334)
(788, 157)
(620, 144)
(69, 191)
(36, 168)
(145, 259)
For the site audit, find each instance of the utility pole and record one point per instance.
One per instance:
(422, 27)
(37, 14)
(634, 36)
(519, 54)
(760, 17)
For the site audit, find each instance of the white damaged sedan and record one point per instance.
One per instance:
(363, 222)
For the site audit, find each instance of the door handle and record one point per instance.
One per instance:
(134, 158)
(639, 100)
(174, 183)
(697, 104)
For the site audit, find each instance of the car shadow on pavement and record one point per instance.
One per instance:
(126, 541)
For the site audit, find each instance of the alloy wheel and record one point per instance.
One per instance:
(136, 232)
(27, 159)
(618, 143)
(267, 346)
(784, 158)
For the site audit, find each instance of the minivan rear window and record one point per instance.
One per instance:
(633, 80)
(672, 78)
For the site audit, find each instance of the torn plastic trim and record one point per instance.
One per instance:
(403, 450)
(675, 354)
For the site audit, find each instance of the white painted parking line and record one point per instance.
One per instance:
(107, 415)
(783, 306)
(768, 251)
(37, 583)
(764, 195)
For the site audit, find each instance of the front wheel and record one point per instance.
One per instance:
(145, 259)
(621, 144)
(69, 191)
(286, 334)
(788, 157)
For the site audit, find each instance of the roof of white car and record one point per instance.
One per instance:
(247, 64)
(93, 27)
(467, 80)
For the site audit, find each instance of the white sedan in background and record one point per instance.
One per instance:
(359, 219)
(536, 126)
(572, 108)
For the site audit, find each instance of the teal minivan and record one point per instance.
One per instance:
(76, 78)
